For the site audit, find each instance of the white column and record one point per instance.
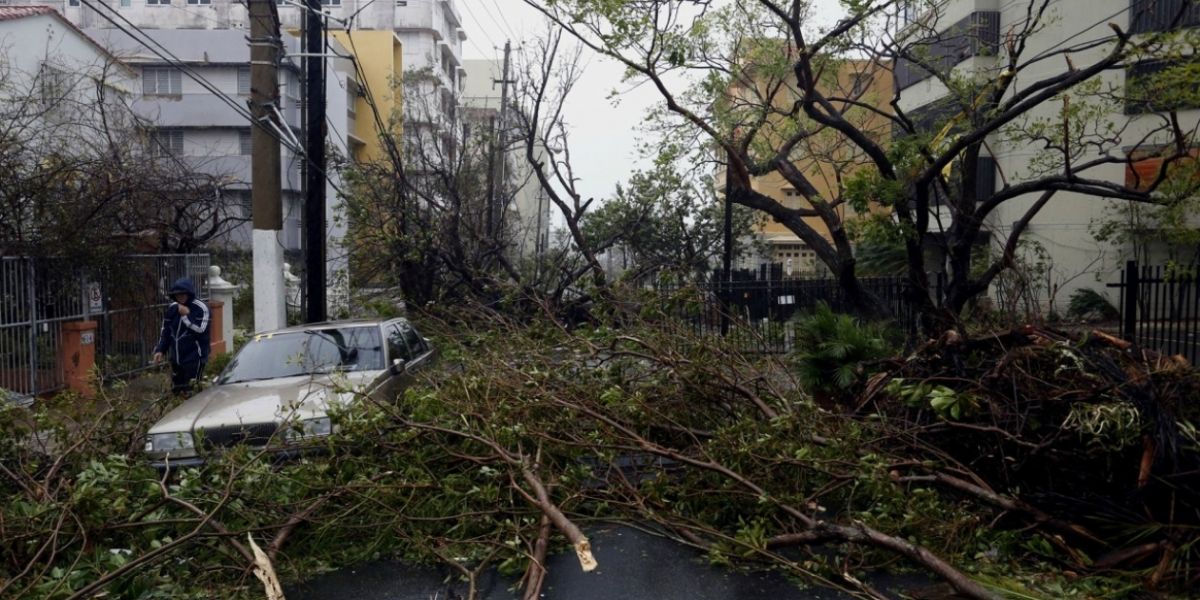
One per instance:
(268, 281)
(224, 291)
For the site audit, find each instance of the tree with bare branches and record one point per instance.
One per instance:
(758, 89)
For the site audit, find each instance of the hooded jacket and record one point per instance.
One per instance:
(186, 337)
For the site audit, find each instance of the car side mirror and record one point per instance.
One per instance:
(398, 366)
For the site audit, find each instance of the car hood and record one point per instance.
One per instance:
(271, 400)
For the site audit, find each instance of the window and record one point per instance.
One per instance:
(415, 344)
(243, 75)
(55, 84)
(166, 142)
(126, 3)
(199, 1)
(158, 2)
(244, 142)
(1160, 86)
(401, 2)
(73, 2)
(1160, 15)
(331, 2)
(161, 81)
(1144, 171)
(397, 346)
(860, 83)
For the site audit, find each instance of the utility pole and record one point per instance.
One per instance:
(314, 149)
(495, 214)
(265, 194)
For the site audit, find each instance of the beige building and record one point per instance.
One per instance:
(826, 160)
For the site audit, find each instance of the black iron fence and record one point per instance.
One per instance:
(755, 310)
(1160, 308)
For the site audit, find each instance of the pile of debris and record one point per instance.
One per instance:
(1092, 439)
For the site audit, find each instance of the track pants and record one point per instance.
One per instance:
(183, 376)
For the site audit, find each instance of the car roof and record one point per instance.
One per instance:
(335, 325)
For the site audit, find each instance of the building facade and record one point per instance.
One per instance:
(964, 41)
(526, 209)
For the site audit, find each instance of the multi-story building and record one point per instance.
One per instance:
(964, 41)
(192, 85)
(826, 161)
(427, 36)
(526, 210)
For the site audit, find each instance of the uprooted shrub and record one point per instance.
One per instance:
(525, 434)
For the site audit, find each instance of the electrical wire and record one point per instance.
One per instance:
(503, 20)
(479, 24)
(1051, 49)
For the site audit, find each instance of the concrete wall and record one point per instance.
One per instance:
(28, 43)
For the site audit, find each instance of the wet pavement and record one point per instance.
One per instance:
(633, 565)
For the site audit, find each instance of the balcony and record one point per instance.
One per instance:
(975, 35)
(1147, 16)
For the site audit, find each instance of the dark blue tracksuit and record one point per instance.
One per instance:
(185, 337)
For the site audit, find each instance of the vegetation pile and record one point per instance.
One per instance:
(1094, 440)
(531, 435)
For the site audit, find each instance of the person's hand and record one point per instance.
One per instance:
(183, 311)
(157, 357)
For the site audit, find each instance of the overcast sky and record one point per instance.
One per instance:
(603, 142)
(604, 131)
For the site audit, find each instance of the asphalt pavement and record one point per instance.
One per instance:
(632, 565)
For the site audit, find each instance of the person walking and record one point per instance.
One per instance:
(184, 336)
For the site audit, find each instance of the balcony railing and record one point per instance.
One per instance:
(1161, 15)
(976, 34)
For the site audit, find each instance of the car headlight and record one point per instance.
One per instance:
(310, 428)
(165, 442)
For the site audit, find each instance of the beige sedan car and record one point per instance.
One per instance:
(277, 391)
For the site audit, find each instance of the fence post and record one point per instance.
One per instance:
(77, 355)
(222, 293)
(1129, 319)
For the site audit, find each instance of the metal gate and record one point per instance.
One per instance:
(38, 295)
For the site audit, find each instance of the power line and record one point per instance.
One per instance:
(479, 24)
(1051, 49)
(503, 20)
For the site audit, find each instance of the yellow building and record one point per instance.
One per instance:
(380, 71)
(826, 159)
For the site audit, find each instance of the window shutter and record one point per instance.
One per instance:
(176, 81)
(243, 81)
(1140, 174)
(148, 81)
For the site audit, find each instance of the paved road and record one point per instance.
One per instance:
(633, 565)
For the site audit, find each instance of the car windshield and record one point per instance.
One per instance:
(271, 356)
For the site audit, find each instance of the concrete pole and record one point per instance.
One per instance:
(266, 194)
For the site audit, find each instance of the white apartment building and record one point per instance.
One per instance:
(527, 215)
(969, 41)
(190, 100)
